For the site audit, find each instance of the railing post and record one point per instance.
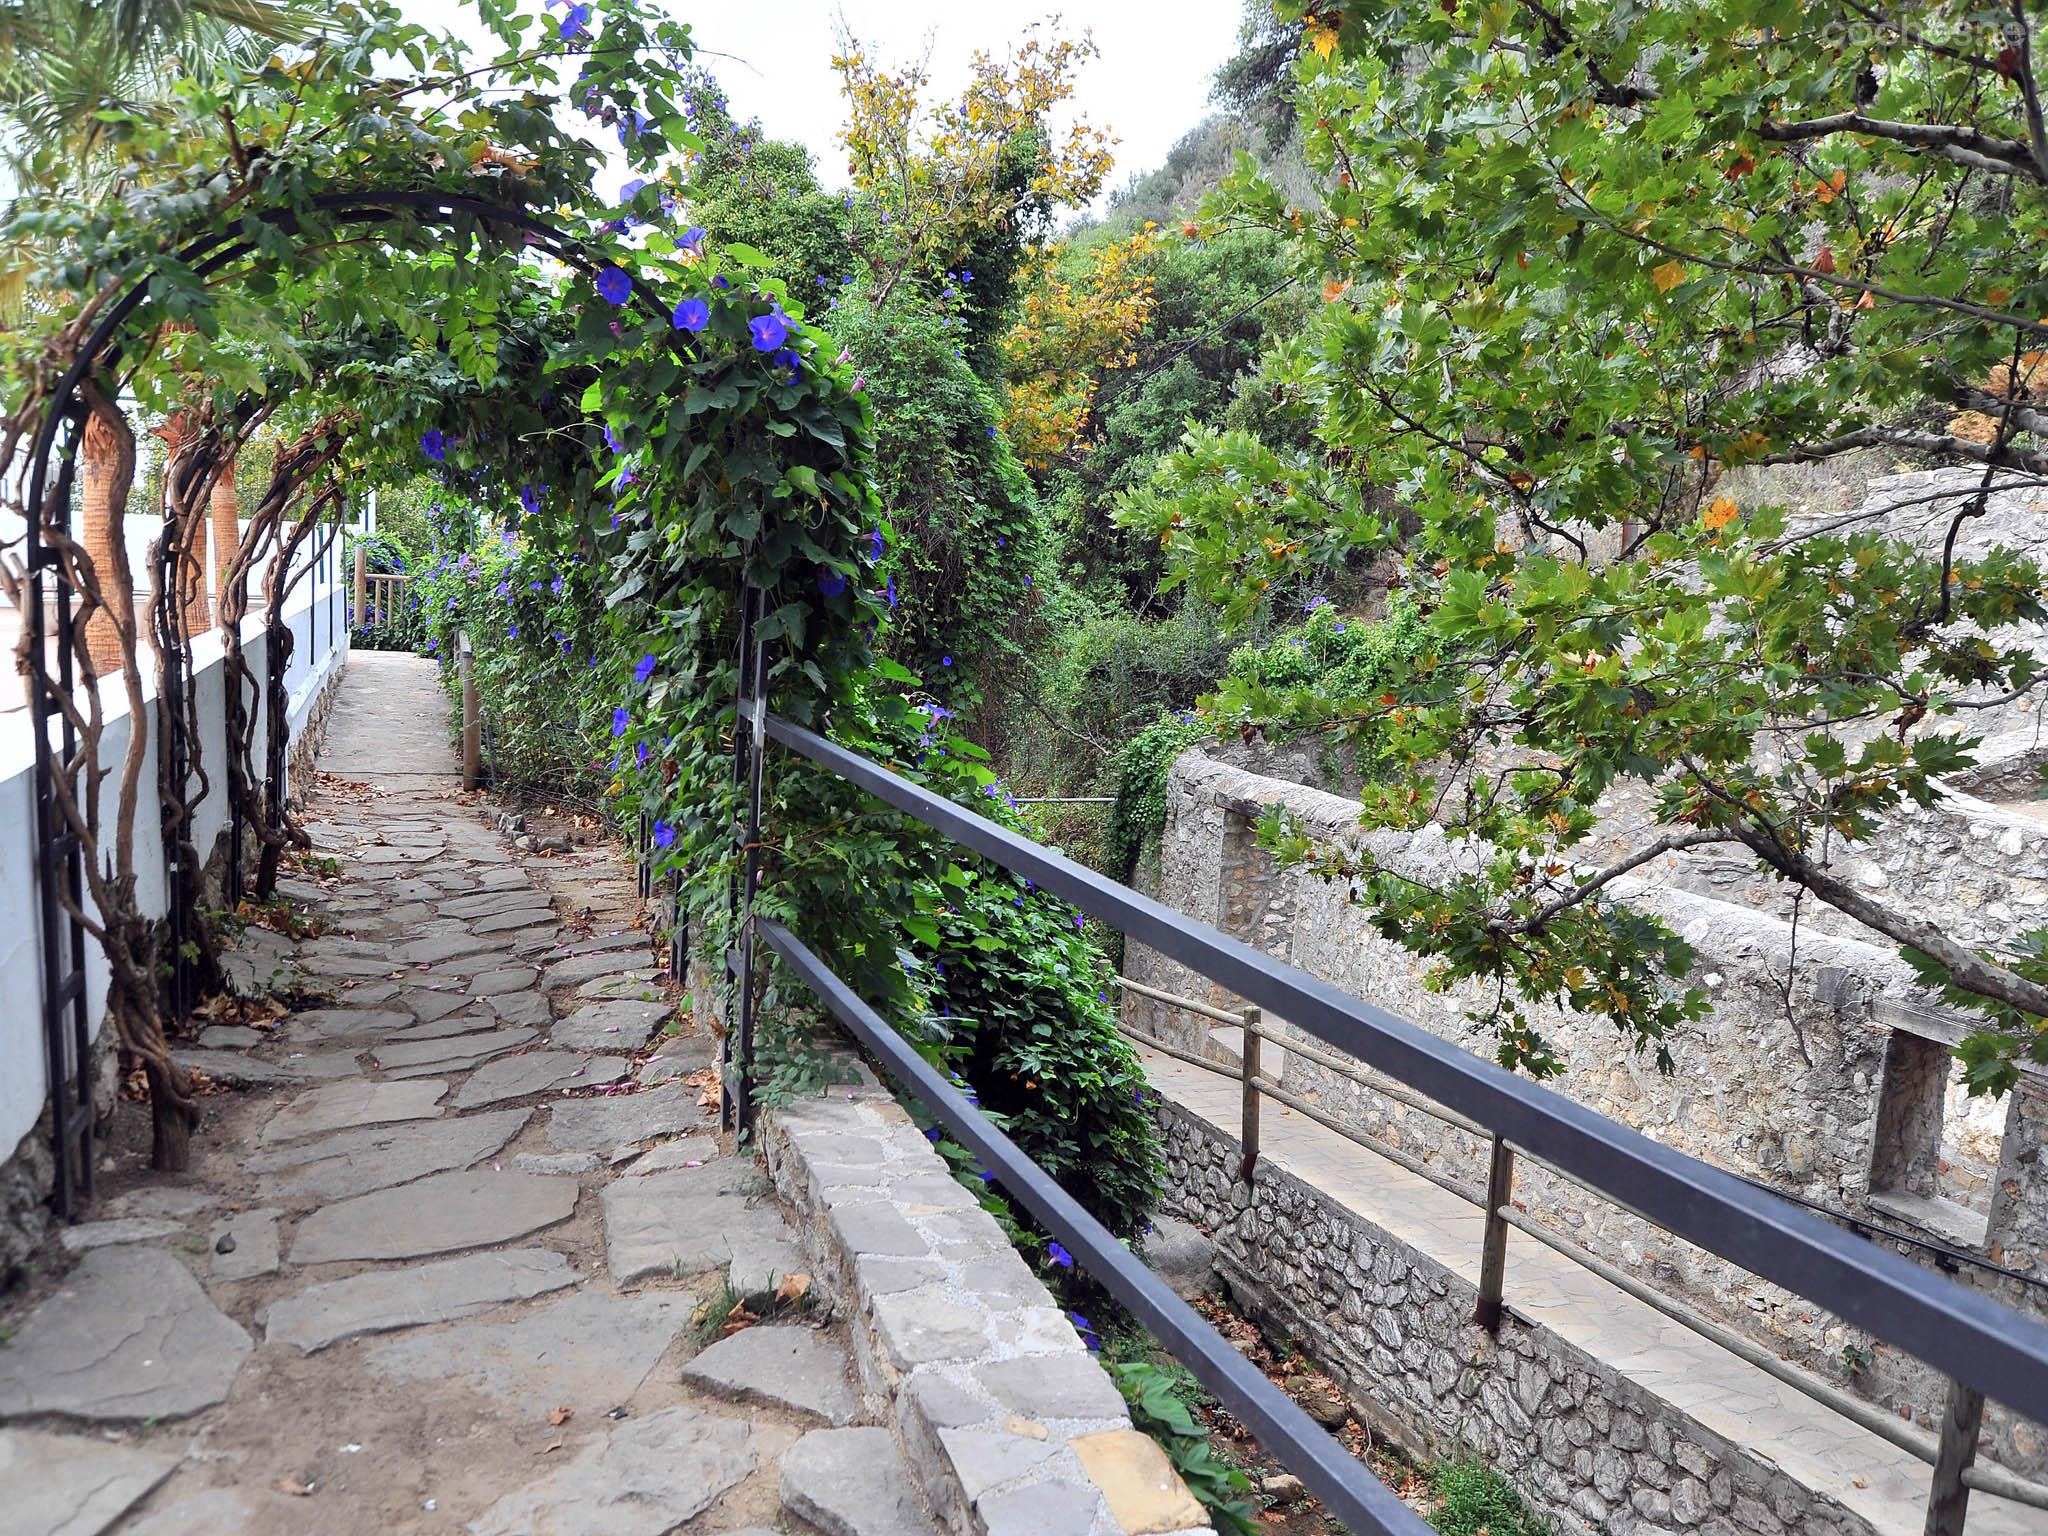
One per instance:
(362, 585)
(1248, 1119)
(472, 718)
(1948, 1499)
(1493, 1255)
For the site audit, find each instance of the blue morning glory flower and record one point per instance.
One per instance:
(875, 543)
(788, 359)
(991, 431)
(664, 835)
(632, 189)
(620, 720)
(1059, 1255)
(890, 591)
(574, 22)
(830, 582)
(434, 444)
(769, 331)
(644, 668)
(529, 498)
(640, 755)
(945, 661)
(692, 239)
(512, 631)
(613, 284)
(612, 440)
(691, 315)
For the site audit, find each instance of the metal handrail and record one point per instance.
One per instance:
(1986, 1347)
(1998, 1481)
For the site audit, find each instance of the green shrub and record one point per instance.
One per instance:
(1140, 810)
(1020, 992)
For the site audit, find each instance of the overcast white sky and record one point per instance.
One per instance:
(774, 58)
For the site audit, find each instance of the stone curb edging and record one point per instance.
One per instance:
(1008, 1424)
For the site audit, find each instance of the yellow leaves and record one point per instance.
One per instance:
(1322, 37)
(1723, 512)
(1668, 276)
(1334, 289)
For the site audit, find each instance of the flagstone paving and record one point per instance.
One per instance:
(473, 1318)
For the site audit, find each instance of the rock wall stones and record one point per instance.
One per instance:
(1584, 1445)
(1783, 1083)
(1007, 1422)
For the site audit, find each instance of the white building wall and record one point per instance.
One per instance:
(317, 617)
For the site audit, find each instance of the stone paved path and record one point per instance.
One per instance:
(437, 1265)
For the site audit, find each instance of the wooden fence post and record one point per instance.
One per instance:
(1248, 1123)
(472, 721)
(1948, 1500)
(356, 619)
(1493, 1255)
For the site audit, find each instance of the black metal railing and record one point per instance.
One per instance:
(1986, 1347)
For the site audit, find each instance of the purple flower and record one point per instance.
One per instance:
(512, 631)
(875, 544)
(529, 498)
(945, 661)
(830, 582)
(769, 331)
(664, 835)
(612, 440)
(612, 282)
(434, 444)
(1080, 923)
(991, 431)
(788, 359)
(574, 22)
(644, 669)
(631, 189)
(640, 755)
(620, 720)
(692, 239)
(691, 315)
(889, 591)
(1059, 1255)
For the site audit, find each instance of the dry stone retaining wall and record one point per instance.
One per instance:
(1784, 1084)
(1583, 1444)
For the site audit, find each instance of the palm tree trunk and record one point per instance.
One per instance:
(100, 524)
(227, 537)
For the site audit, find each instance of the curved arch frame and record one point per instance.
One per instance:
(49, 624)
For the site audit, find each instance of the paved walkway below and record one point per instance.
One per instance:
(1824, 1451)
(443, 1259)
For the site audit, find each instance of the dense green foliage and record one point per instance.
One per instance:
(1715, 236)
(963, 540)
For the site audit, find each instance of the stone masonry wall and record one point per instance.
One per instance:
(1006, 1420)
(1783, 1082)
(1585, 1446)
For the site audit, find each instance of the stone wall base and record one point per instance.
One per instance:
(1584, 1445)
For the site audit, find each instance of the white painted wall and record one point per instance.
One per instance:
(316, 616)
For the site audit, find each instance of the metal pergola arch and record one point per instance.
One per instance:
(48, 615)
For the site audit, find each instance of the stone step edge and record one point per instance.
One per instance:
(955, 1338)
